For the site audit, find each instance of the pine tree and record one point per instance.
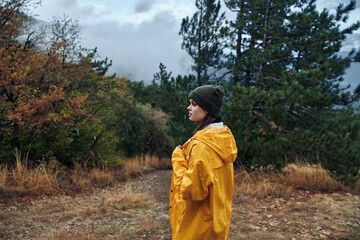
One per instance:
(288, 69)
(162, 77)
(202, 39)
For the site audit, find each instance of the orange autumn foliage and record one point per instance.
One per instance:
(34, 90)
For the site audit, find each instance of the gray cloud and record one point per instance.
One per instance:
(144, 5)
(352, 41)
(352, 76)
(67, 3)
(72, 8)
(137, 50)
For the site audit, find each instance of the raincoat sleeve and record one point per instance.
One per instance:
(180, 165)
(198, 177)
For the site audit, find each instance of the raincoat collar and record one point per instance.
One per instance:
(218, 124)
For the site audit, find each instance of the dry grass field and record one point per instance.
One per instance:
(52, 179)
(301, 202)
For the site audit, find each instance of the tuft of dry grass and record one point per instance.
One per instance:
(100, 177)
(308, 177)
(294, 176)
(154, 162)
(110, 202)
(165, 164)
(79, 178)
(137, 166)
(132, 167)
(4, 173)
(126, 199)
(50, 179)
(85, 180)
(37, 181)
(259, 185)
(150, 161)
(22, 179)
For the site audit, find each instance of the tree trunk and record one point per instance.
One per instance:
(199, 58)
(238, 43)
(260, 72)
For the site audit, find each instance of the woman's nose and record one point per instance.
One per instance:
(188, 108)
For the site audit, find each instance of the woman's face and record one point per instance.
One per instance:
(196, 113)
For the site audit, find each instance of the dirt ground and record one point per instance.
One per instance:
(138, 209)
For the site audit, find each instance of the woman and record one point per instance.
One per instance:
(202, 181)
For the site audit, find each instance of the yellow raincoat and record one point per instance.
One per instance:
(202, 185)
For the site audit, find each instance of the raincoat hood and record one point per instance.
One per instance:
(220, 140)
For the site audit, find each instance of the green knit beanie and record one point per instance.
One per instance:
(209, 97)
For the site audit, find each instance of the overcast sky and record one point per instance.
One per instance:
(139, 34)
